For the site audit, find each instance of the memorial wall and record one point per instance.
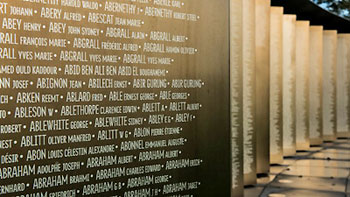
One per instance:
(343, 85)
(236, 85)
(315, 82)
(329, 85)
(302, 84)
(262, 36)
(276, 62)
(249, 102)
(131, 98)
(115, 98)
(288, 92)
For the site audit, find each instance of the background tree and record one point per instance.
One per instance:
(340, 7)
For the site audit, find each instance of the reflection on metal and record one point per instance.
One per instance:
(262, 35)
(276, 132)
(249, 132)
(302, 84)
(289, 58)
(236, 97)
(285, 181)
(315, 82)
(343, 85)
(329, 85)
(277, 195)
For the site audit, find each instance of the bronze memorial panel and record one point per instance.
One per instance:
(114, 98)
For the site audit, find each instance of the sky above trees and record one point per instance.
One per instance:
(340, 7)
